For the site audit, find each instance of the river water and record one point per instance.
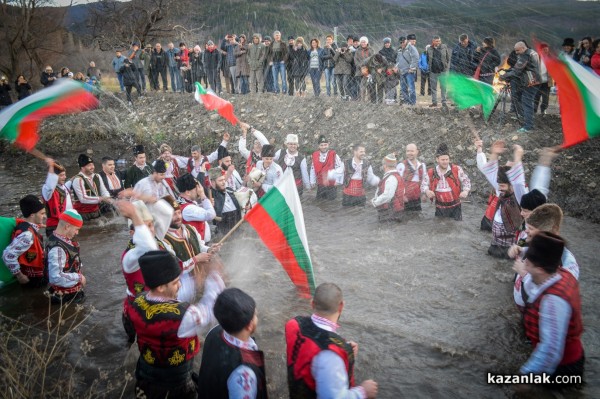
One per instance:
(432, 313)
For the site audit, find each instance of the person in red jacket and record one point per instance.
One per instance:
(595, 61)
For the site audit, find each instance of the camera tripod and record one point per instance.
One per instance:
(505, 98)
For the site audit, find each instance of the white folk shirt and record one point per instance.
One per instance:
(16, 248)
(149, 186)
(402, 169)
(79, 188)
(57, 260)
(290, 160)
(372, 179)
(244, 152)
(49, 187)
(272, 174)
(391, 184)
(338, 169)
(443, 186)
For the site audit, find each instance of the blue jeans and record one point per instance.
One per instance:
(141, 77)
(527, 100)
(330, 81)
(175, 78)
(243, 82)
(407, 85)
(120, 79)
(279, 69)
(315, 77)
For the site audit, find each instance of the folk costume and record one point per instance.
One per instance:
(447, 186)
(413, 174)
(88, 191)
(167, 330)
(324, 169)
(227, 207)
(355, 177)
(57, 198)
(112, 182)
(135, 173)
(272, 173)
(63, 264)
(25, 253)
(149, 186)
(296, 162)
(389, 197)
(234, 181)
(194, 166)
(251, 156)
(194, 214)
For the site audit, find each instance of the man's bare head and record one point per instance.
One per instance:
(327, 299)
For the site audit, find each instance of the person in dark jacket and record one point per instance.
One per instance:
(328, 64)
(268, 69)
(462, 56)
(48, 77)
(488, 58)
(389, 53)
(130, 79)
(377, 67)
(158, 66)
(197, 66)
(583, 53)
(212, 66)
(288, 66)
(299, 60)
(343, 70)
(5, 89)
(22, 87)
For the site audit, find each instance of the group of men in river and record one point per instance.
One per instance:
(171, 203)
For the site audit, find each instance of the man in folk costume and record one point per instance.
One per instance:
(173, 164)
(293, 159)
(446, 183)
(320, 362)
(413, 172)
(196, 209)
(552, 317)
(88, 190)
(56, 194)
(167, 329)
(155, 185)
(357, 172)
(198, 164)
(271, 170)
(139, 169)
(63, 264)
(389, 198)
(227, 208)
(326, 165)
(509, 185)
(232, 366)
(111, 177)
(232, 178)
(252, 157)
(24, 256)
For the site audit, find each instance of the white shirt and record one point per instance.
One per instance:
(272, 174)
(244, 152)
(338, 169)
(402, 169)
(391, 184)
(290, 160)
(372, 179)
(49, 187)
(16, 248)
(149, 186)
(97, 192)
(195, 212)
(57, 260)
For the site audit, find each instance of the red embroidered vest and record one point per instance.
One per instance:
(322, 168)
(412, 189)
(56, 205)
(200, 226)
(445, 199)
(32, 260)
(398, 201)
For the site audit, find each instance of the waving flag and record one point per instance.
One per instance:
(578, 96)
(212, 102)
(468, 92)
(279, 221)
(20, 122)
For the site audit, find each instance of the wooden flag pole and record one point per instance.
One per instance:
(234, 228)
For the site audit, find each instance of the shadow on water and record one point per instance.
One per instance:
(432, 312)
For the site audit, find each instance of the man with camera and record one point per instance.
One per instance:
(526, 73)
(48, 77)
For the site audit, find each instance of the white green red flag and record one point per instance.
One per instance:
(279, 221)
(20, 122)
(212, 102)
(578, 96)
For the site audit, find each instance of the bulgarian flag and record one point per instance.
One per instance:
(578, 96)
(279, 221)
(212, 102)
(467, 92)
(20, 122)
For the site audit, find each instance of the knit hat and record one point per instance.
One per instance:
(291, 37)
(84, 160)
(291, 139)
(411, 36)
(234, 310)
(138, 149)
(164, 147)
(322, 139)
(267, 151)
(159, 166)
(30, 204)
(72, 217)
(442, 150)
(210, 43)
(222, 152)
(532, 199)
(568, 42)
(268, 38)
(390, 160)
(172, 201)
(545, 251)
(502, 177)
(387, 40)
(364, 39)
(214, 173)
(401, 39)
(158, 268)
(186, 182)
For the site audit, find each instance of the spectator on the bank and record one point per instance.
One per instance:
(377, 68)
(64, 72)
(268, 68)
(93, 71)
(583, 53)
(343, 70)
(117, 63)
(462, 56)
(389, 53)
(173, 67)
(212, 65)
(242, 69)
(438, 59)
(278, 59)
(328, 64)
(256, 63)
(407, 63)
(354, 82)
(158, 66)
(595, 60)
(22, 87)
(299, 61)
(5, 89)
(48, 77)
(361, 73)
(543, 92)
(568, 47)
(229, 47)
(145, 58)
(288, 65)
(197, 66)
(487, 59)
(128, 71)
(79, 76)
(183, 65)
(424, 69)
(135, 56)
(315, 65)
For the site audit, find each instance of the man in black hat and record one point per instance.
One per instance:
(446, 183)
(232, 177)
(227, 207)
(24, 256)
(568, 47)
(271, 169)
(88, 189)
(232, 365)
(155, 184)
(139, 169)
(167, 329)
(552, 317)
(326, 165)
(196, 209)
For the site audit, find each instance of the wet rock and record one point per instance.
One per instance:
(592, 185)
(371, 126)
(328, 113)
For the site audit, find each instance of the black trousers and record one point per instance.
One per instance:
(327, 193)
(350, 200)
(543, 93)
(228, 220)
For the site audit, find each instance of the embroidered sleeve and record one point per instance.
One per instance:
(464, 180)
(388, 193)
(241, 383)
(200, 315)
(79, 188)
(516, 175)
(242, 148)
(144, 242)
(540, 179)
(49, 186)
(425, 182)
(57, 260)
(16, 248)
(490, 171)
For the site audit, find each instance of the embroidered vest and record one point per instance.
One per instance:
(90, 190)
(322, 168)
(184, 249)
(32, 260)
(72, 263)
(56, 205)
(445, 199)
(200, 226)
(412, 188)
(397, 201)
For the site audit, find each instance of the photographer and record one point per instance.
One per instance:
(527, 72)
(48, 77)
(129, 73)
(343, 70)
(5, 99)
(583, 53)
(22, 87)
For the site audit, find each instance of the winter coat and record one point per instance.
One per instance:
(23, 90)
(212, 60)
(343, 62)
(197, 66)
(171, 53)
(407, 59)
(158, 60)
(94, 72)
(44, 79)
(595, 63)
(129, 75)
(528, 61)
(299, 60)
(360, 56)
(183, 57)
(389, 54)
(462, 59)
(145, 58)
(5, 94)
(230, 49)
(445, 53)
(256, 56)
(327, 56)
(488, 58)
(241, 64)
(134, 56)
(377, 68)
(281, 55)
(319, 54)
(580, 53)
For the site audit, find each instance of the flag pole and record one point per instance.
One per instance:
(234, 228)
